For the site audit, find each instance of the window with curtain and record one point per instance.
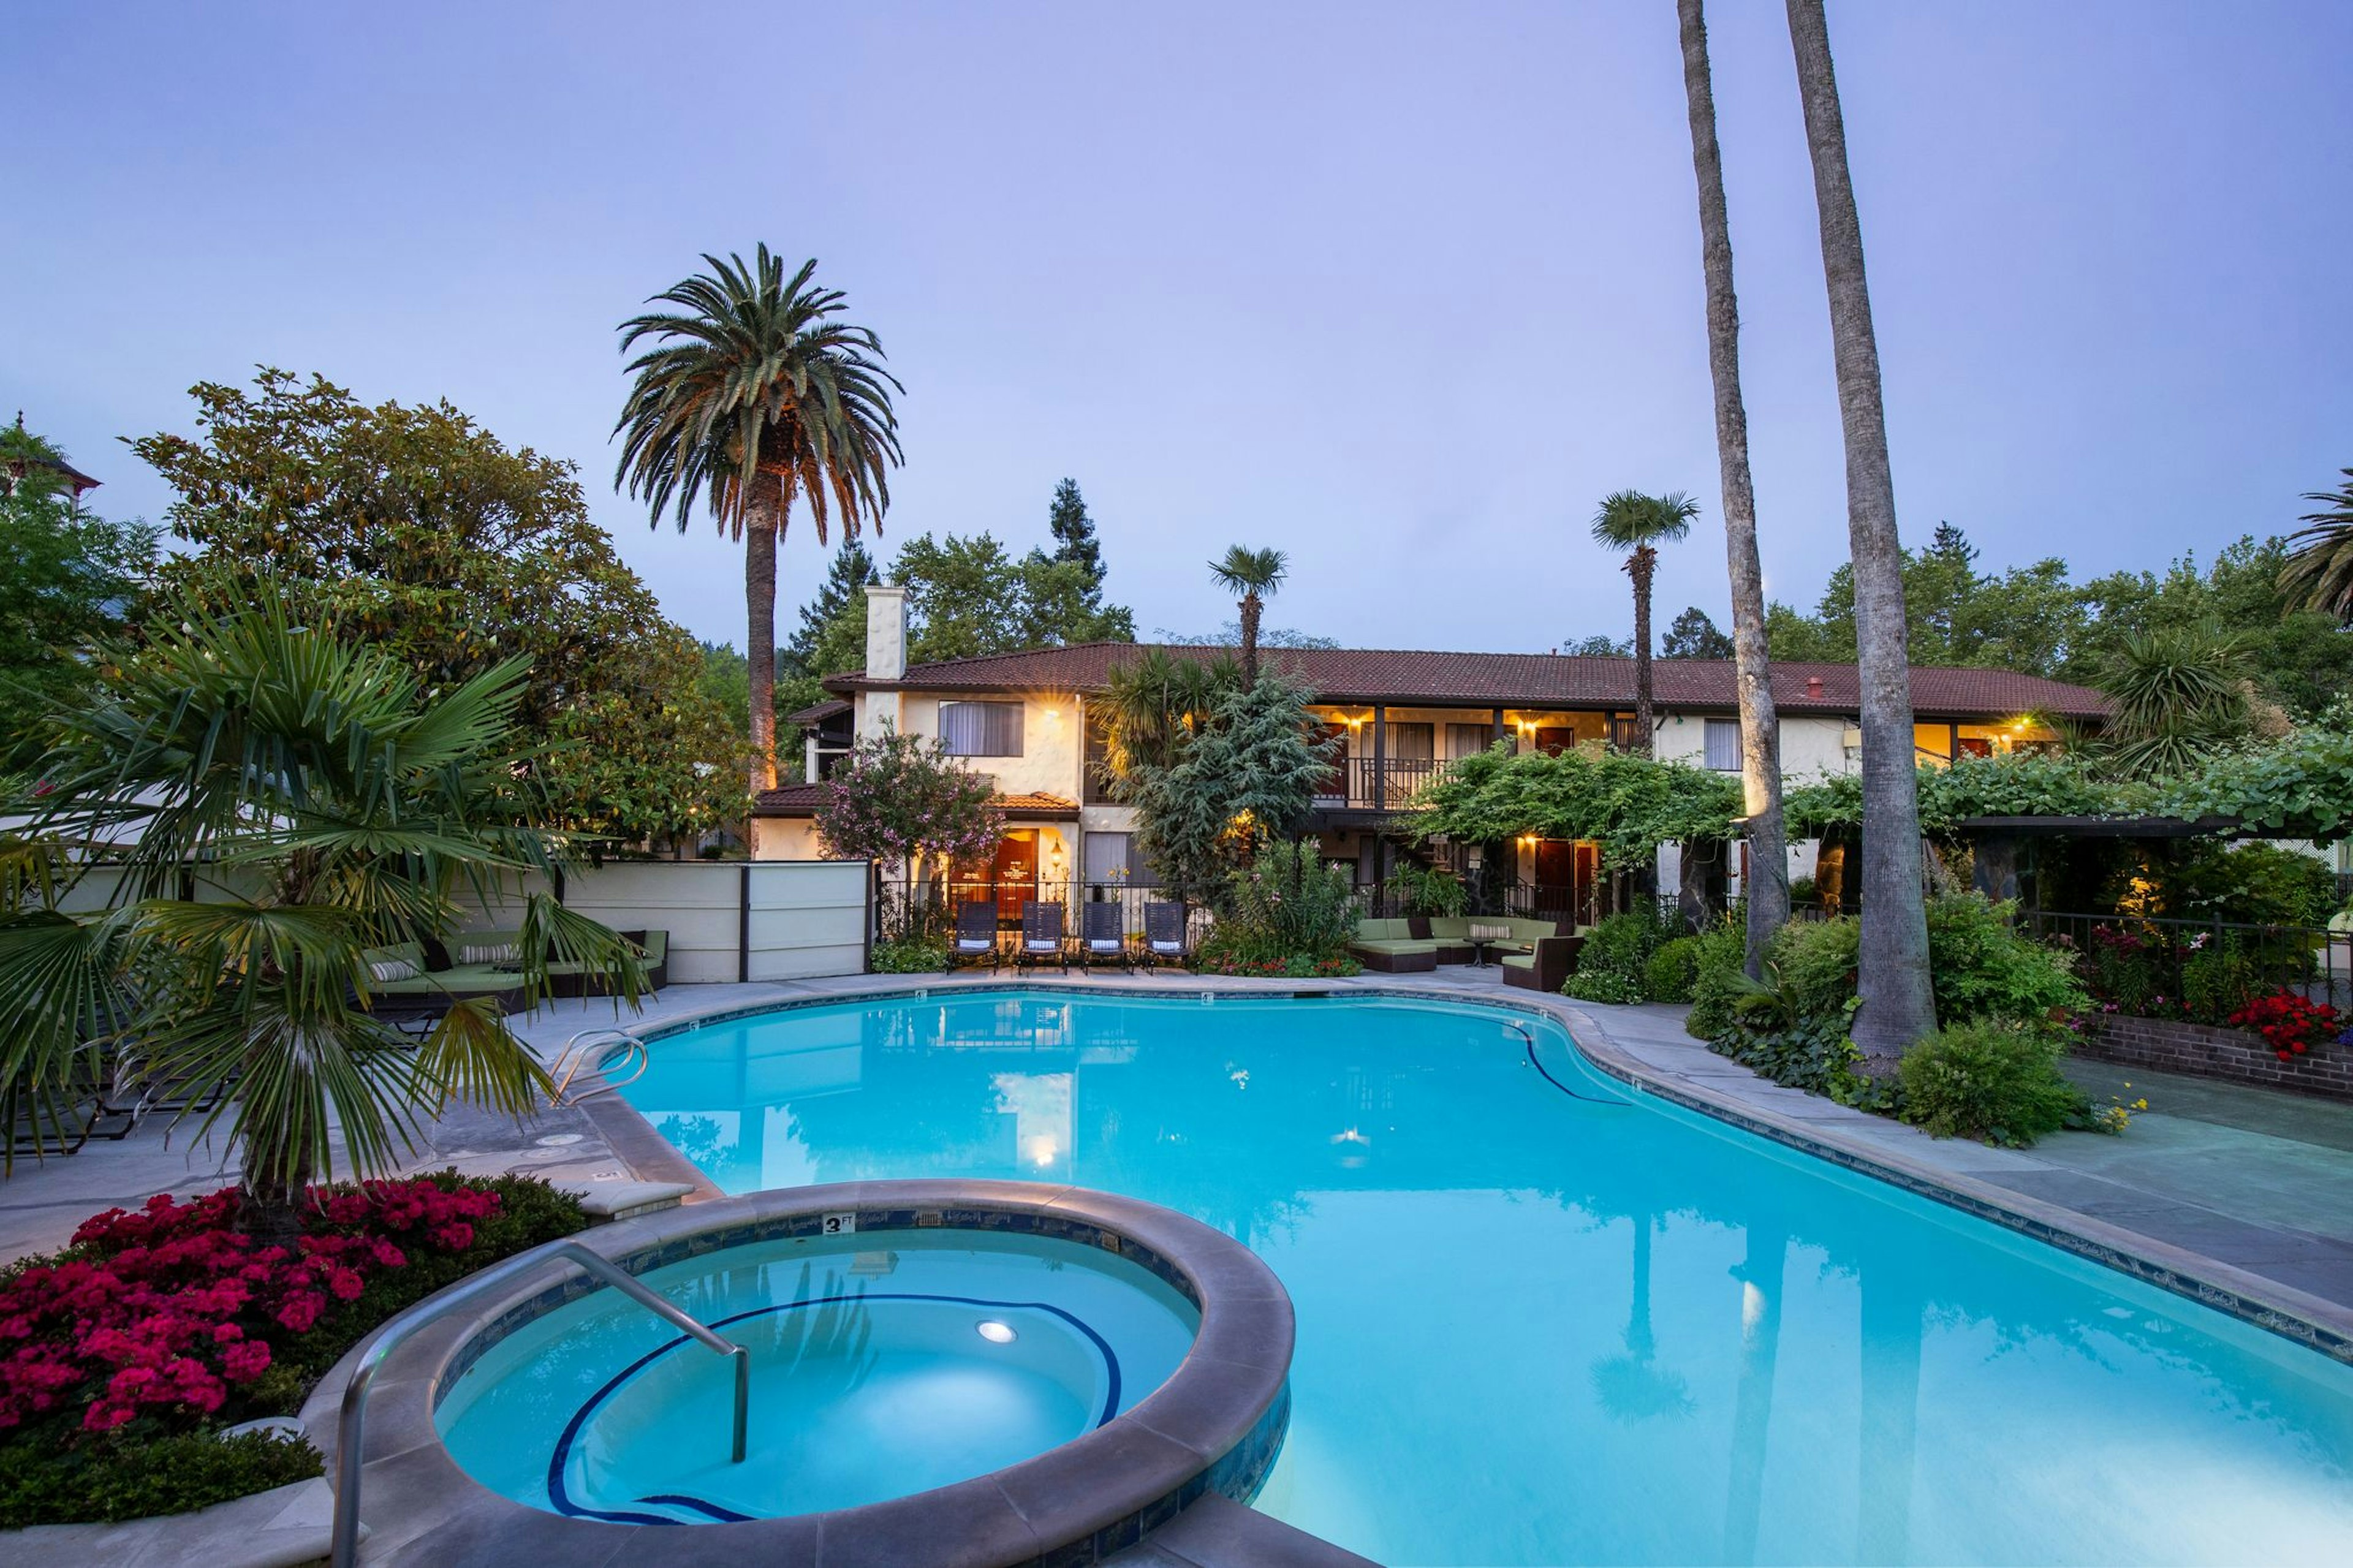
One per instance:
(1113, 857)
(1410, 742)
(981, 729)
(1723, 745)
(1468, 740)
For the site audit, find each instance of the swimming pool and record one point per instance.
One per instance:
(1545, 1319)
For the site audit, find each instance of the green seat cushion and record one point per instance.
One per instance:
(1383, 930)
(1450, 928)
(1519, 961)
(1396, 945)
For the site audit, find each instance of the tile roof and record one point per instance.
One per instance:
(802, 799)
(817, 711)
(1517, 681)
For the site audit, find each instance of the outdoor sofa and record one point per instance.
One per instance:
(1546, 966)
(482, 964)
(1390, 946)
(1452, 935)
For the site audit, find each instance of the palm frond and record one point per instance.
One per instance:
(2319, 573)
(1629, 520)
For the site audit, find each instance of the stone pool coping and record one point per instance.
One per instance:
(2303, 1319)
(1216, 1425)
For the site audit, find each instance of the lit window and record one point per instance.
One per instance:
(981, 729)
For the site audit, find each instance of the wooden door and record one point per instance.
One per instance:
(1555, 871)
(1334, 790)
(1015, 874)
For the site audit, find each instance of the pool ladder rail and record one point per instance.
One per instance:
(351, 1423)
(596, 1046)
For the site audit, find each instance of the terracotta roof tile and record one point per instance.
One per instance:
(802, 800)
(1519, 680)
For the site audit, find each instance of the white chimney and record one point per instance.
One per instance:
(886, 657)
(886, 632)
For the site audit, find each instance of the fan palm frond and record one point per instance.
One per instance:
(2319, 575)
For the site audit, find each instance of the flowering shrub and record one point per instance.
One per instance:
(2292, 1024)
(164, 1321)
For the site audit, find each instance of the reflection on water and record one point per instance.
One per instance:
(1534, 1329)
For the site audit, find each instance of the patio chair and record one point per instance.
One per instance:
(1164, 933)
(1041, 936)
(1102, 938)
(975, 935)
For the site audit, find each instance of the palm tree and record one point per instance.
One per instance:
(758, 394)
(1892, 970)
(2320, 573)
(1635, 523)
(1766, 888)
(1152, 702)
(1253, 574)
(2176, 695)
(323, 803)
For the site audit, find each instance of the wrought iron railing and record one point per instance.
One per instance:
(2200, 970)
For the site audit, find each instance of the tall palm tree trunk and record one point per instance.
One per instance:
(1893, 967)
(1765, 888)
(1642, 567)
(1252, 608)
(762, 516)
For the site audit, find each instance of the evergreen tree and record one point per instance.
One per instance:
(1074, 532)
(1694, 635)
(844, 585)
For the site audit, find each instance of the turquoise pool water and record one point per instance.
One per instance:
(882, 1365)
(1544, 1319)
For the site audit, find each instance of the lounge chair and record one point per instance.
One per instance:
(1041, 936)
(1102, 938)
(975, 935)
(1163, 935)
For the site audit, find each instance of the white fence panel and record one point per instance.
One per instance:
(805, 917)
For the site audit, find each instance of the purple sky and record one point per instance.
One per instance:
(1402, 291)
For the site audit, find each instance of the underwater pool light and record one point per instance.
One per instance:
(994, 1332)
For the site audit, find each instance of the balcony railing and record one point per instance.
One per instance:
(1365, 783)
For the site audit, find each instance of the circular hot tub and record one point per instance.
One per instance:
(1025, 1371)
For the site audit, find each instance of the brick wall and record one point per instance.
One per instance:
(2210, 1052)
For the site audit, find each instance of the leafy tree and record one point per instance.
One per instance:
(323, 801)
(1637, 524)
(1694, 636)
(2320, 573)
(755, 393)
(1253, 575)
(1898, 1006)
(1627, 802)
(412, 529)
(1600, 647)
(898, 799)
(67, 578)
(1239, 779)
(967, 597)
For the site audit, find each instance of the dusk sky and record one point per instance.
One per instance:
(1400, 290)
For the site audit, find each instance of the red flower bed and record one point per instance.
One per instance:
(167, 1310)
(2291, 1023)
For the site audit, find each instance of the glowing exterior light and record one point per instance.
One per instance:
(994, 1332)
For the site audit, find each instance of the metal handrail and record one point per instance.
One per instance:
(576, 1056)
(350, 1427)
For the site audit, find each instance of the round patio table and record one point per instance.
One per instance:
(1479, 946)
